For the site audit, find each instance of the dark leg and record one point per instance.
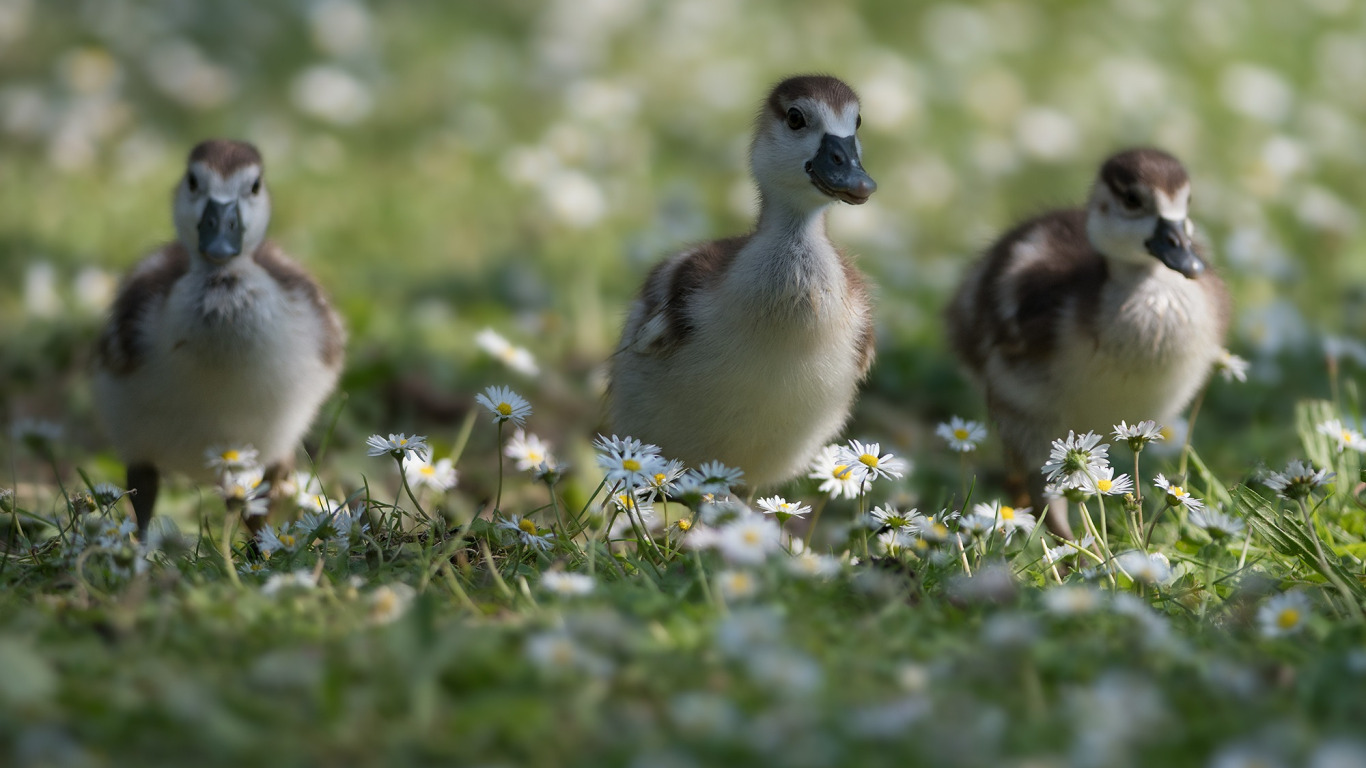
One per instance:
(142, 483)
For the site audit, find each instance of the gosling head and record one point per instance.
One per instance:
(221, 204)
(1139, 211)
(806, 152)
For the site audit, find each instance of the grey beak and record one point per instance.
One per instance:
(220, 230)
(1172, 247)
(836, 171)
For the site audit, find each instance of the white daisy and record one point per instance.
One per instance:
(108, 494)
(869, 463)
(1176, 495)
(1345, 436)
(310, 495)
(516, 358)
(837, 478)
(628, 463)
(810, 564)
(567, 584)
(421, 472)
(245, 490)
(888, 515)
(527, 451)
(1140, 434)
(961, 434)
(1230, 366)
(1299, 480)
(1216, 523)
(1066, 600)
(527, 532)
(1104, 483)
(1284, 614)
(717, 479)
(399, 446)
(777, 505)
(665, 480)
(504, 405)
(1007, 519)
(287, 538)
(230, 458)
(280, 582)
(1076, 458)
(748, 540)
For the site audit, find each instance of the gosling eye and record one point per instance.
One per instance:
(795, 119)
(256, 186)
(858, 122)
(1131, 201)
(191, 182)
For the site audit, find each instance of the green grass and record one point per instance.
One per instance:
(435, 215)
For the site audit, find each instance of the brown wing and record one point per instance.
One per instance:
(662, 317)
(293, 279)
(122, 346)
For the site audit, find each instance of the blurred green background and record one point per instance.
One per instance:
(443, 167)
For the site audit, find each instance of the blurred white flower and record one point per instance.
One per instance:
(94, 290)
(573, 198)
(1177, 495)
(1299, 480)
(230, 458)
(41, 298)
(527, 451)
(748, 540)
(399, 446)
(1143, 567)
(556, 653)
(527, 532)
(567, 583)
(1284, 614)
(517, 358)
(179, 69)
(284, 582)
(737, 584)
(339, 27)
(1345, 436)
(422, 472)
(331, 94)
(1256, 92)
(1047, 134)
(1217, 524)
(389, 602)
(1231, 367)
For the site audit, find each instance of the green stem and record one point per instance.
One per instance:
(1328, 573)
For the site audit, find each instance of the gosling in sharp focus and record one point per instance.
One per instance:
(1079, 319)
(750, 350)
(217, 339)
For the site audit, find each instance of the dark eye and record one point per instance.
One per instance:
(191, 181)
(795, 119)
(256, 186)
(1131, 200)
(858, 122)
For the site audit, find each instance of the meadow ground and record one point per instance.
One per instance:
(446, 168)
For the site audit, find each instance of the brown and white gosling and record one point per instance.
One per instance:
(216, 339)
(1079, 319)
(750, 350)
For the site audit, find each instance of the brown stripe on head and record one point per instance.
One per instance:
(224, 156)
(830, 90)
(1151, 168)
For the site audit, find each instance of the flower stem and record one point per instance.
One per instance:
(498, 500)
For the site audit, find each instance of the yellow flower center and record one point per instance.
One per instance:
(841, 472)
(504, 409)
(684, 525)
(868, 460)
(231, 455)
(534, 457)
(287, 539)
(1177, 491)
(527, 526)
(403, 441)
(625, 501)
(1104, 486)
(1288, 618)
(940, 530)
(630, 465)
(1347, 436)
(751, 537)
(1007, 513)
(428, 470)
(659, 478)
(1166, 432)
(960, 433)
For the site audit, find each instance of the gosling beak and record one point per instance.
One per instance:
(220, 231)
(835, 170)
(1172, 247)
